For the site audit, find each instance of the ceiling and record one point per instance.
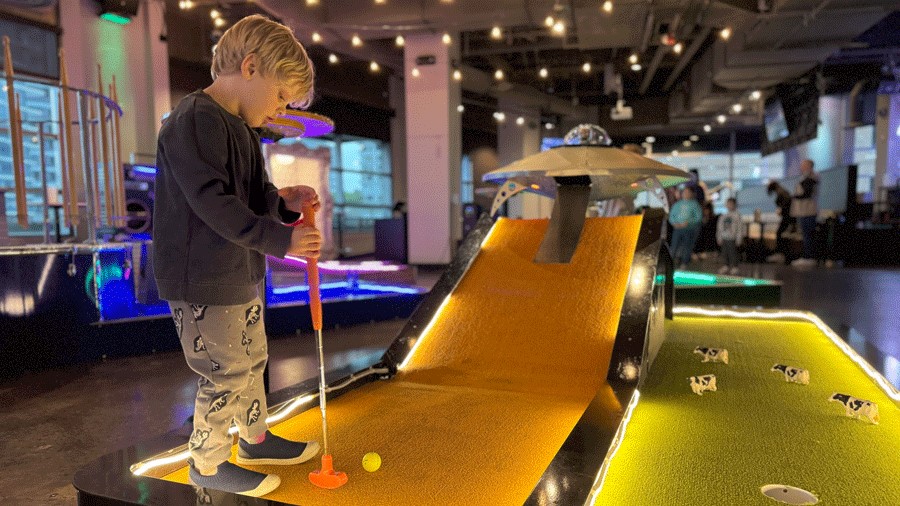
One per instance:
(771, 41)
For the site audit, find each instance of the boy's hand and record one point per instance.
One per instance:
(305, 242)
(298, 197)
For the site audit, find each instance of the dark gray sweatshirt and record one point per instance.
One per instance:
(216, 215)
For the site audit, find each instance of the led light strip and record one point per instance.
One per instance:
(421, 338)
(614, 448)
(799, 315)
(141, 468)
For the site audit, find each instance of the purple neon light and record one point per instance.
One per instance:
(335, 266)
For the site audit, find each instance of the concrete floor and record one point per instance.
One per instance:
(55, 421)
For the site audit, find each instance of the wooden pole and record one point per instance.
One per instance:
(92, 128)
(109, 195)
(117, 155)
(15, 137)
(66, 118)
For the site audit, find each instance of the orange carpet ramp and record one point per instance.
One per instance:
(493, 388)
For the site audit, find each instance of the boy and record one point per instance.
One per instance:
(685, 218)
(729, 234)
(216, 218)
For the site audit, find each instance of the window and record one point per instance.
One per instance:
(38, 104)
(467, 190)
(864, 154)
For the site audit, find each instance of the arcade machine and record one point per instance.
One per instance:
(549, 366)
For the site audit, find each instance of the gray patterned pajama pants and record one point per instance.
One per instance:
(226, 346)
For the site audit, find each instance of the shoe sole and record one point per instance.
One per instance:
(267, 485)
(311, 450)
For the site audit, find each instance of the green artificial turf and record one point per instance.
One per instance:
(719, 449)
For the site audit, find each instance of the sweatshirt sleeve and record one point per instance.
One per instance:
(200, 170)
(275, 205)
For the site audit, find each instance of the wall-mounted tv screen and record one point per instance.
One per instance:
(774, 120)
(797, 119)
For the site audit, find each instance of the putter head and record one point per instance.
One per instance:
(327, 477)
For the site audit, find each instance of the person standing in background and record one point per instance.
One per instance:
(783, 207)
(698, 187)
(805, 208)
(685, 218)
(729, 235)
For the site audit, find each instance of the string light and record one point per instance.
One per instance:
(737, 108)
(415, 72)
(457, 75)
(678, 47)
(400, 41)
(316, 38)
(447, 40)
(312, 3)
(559, 27)
(586, 67)
(725, 33)
(215, 14)
(520, 121)
(498, 75)
(356, 41)
(374, 66)
(707, 128)
(380, 2)
(549, 126)
(460, 108)
(186, 4)
(633, 58)
(636, 67)
(721, 119)
(333, 59)
(548, 21)
(755, 95)
(543, 73)
(496, 33)
(694, 138)
(607, 6)
(500, 117)
(219, 22)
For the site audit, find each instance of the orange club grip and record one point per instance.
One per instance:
(312, 274)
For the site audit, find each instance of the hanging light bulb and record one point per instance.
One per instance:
(496, 33)
(460, 108)
(721, 119)
(380, 2)
(374, 66)
(447, 39)
(548, 21)
(457, 75)
(725, 33)
(559, 28)
(636, 67)
(737, 108)
(678, 47)
(500, 117)
(219, 22)
(400, 41)
(356, 41)
(543, 73)
(633, 58)
(316, 38)
(707, 128)
(520, 121)
(586, 67)
(333, 59)
(755, 95)
(498, 75)
(312, 3)
(607, 6)
(415, 72)
(549, 126)
(215, 14)
(694, 138)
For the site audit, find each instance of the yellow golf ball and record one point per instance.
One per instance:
(371, 462)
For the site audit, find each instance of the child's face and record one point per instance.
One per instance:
(264, 97)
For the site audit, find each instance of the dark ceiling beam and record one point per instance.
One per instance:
(661, 51)
(687, 56)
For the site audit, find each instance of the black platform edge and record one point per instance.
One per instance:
(108, 480)
(581, 457)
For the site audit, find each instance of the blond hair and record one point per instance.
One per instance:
(277, 52)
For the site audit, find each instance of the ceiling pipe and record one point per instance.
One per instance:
(648, 30)
(687, 56)
(661, 51)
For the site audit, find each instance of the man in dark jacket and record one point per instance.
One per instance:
(783, 204)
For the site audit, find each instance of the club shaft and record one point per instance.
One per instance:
(322, 392)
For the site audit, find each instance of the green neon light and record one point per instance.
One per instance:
(115, 18)
(683, 278)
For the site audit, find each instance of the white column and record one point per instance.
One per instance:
(397, 99)
(133, 53)
(515, 142)
(433, 139)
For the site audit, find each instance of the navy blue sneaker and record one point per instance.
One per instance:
(275, 450)
(234, 479)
